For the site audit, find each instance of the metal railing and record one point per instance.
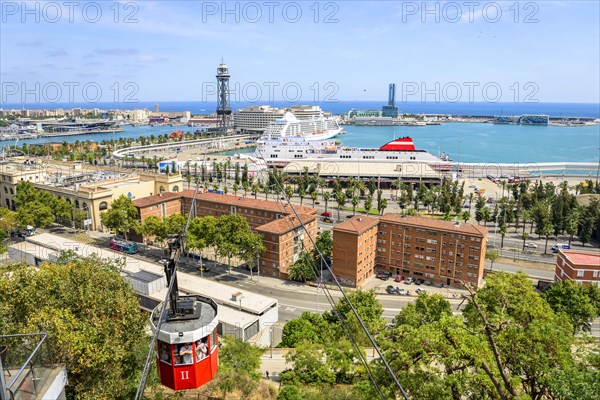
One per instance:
(32, 372)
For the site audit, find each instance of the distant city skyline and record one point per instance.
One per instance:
(315, 51)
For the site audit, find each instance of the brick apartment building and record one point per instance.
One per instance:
(281, 231)
(578, 265)
(443, 252)
(354, 245)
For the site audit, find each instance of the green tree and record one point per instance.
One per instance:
(121, 216)
(340, 199)
(355, 202)
(492, 255)
(575, 301)
(202, 233)
(153, 226)
(325, 245)
(239, 364)
(368, 204)
(368, 308)
(92, 319)
(307, 328)
(326, 197)
(302, 270)
(35, 214)
(503, 231)
(465, 216)
(546, 231)
(234, 238)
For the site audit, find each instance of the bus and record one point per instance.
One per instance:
(123, 246)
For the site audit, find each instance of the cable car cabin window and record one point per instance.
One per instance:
(213, 340)
(164, 352)
(184, 354)
(201, 349)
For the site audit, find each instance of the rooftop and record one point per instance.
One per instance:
(583, 257)
(156, 199)
(450, 226)
(248, 202)
(357, 224)
(286, 224)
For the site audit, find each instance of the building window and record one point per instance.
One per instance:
(103, 206)
(580, 273)
(175, 188)
(162, 189)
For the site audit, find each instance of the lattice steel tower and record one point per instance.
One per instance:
(223, 107)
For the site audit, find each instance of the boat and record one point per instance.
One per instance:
(279, 153)
(314, 128)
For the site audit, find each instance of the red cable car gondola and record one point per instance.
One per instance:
(187, 351)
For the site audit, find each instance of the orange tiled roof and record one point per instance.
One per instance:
(286, 224)
(249, 202)
(467, 229)
(582, 257)
(156, 199)
(357, 224)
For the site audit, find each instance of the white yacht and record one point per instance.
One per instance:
(312, 128)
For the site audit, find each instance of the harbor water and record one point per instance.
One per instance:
(476, 142)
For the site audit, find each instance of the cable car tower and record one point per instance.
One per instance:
(223, 103)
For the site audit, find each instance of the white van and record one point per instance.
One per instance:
(558, 246)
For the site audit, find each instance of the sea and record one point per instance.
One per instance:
(591, 110)
(465, 142)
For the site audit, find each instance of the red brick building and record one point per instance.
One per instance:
(578, 265)
(160, 205)
(354, 244)
(280, 229)
(443, 252)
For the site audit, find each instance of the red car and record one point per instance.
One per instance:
(326, 214)
(399, 278)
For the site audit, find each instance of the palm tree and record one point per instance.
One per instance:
(368, 204)
(313, 197)
(354, 203)
(503, 231)
(340, 199)
(255, 189)
(301, 193)
(547, 230)
(266, 191)
(326, 197)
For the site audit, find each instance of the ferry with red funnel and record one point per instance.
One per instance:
(281, 152)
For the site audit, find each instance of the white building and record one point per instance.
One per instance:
(255, 119)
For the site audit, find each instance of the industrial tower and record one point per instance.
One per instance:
(391, 110)
(223, 107)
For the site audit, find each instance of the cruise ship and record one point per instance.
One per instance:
(314, 128)
(279, 153)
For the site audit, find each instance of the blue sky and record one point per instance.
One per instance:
(350, 50)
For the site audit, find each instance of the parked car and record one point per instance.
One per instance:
(326, 214)
(399, 278)
(408, 281)
(401, 291)
(390, 289)
(383, 275)
(531, 245)
(204, 269)
(558, 246)
(419, 290)
(419, 281)
(349, 215)
(328, 219)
